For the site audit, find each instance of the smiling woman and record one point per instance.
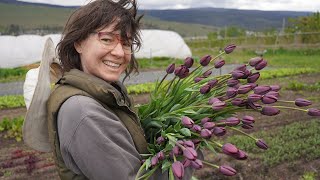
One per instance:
(93, 130)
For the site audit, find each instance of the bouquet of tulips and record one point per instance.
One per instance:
(191, 111)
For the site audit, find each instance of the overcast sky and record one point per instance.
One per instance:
(274, 5)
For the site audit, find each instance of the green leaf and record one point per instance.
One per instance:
(210, 147)
(191, 89)
(190, 111)
(177, 127)
(176, 106)
(186, 132)
(171, 176)
(168, 147)
(148, 163)
(165, 165)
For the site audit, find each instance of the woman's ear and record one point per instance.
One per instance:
(78, 47)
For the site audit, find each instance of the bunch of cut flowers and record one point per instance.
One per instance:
(192, 110)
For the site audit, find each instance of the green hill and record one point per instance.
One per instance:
(20, 19)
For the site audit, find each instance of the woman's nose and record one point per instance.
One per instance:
(118, 50)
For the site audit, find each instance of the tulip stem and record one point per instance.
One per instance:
(147, 155)
(285, 107)
(285, 101)
(161, 82)
(218, 144)
(140, 170)
(238, 130)
(170, 85)
(209, 164)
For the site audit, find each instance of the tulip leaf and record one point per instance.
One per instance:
(177, 127)
(171, 177)
(190, 111)
(176, 106)
(148, 163)
(168, 147)
(192, 89)
(210, 147)
(186, 132)
(165, 165)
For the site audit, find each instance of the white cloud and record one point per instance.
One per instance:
(289, 5)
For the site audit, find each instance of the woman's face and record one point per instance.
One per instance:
(98, 58)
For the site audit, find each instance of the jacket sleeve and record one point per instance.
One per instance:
(94, 142)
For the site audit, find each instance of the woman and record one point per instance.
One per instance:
(93, 130)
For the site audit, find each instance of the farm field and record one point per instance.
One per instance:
(293, 136)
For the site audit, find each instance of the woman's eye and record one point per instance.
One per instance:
(107, 40)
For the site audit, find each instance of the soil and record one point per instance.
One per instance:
(17, 161)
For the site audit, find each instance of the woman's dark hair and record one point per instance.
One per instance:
(97, 15)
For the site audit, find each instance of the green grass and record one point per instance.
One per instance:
(298, 86)
(11, 101)
(299, 140)
(12, 127)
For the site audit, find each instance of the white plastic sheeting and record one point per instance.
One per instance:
(22, 50)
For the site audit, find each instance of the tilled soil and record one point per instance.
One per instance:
(17, 161)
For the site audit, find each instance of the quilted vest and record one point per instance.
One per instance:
(113, 98)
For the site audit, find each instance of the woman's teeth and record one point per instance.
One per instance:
(111, 64)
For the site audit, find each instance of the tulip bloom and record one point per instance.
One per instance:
(219, 131)
(232, 121)
(261, 90)
(170, 68)
(198, 79)
(178, 169)
(187, 122)
(254, 97)
(275, 87)
(206, 133)
(261, 65)
(248, 120)
(236, 74)
(219, 63)
(254, 61)
(160, 140)
(181, 71)
(205, 60)
(197, 164)
(241, 155)
(190, 153)
(244, 89)
(232, 82)
(209, 125)
(228, 49)
(269, 99)
(231, 92)
(302, 102)
(227, 170)
(205, 89)
(212, 83)
(247, 126)
(242, 67)
(154, 160)
(213, 100)
(188, 62)
(314, 112)
(207, 73)
(204, 120)
(160, 155)
(261, 144)
(252, 78)
(218, 105)
(270, 111)
(229, 149)
(238, 102)
(195, 128)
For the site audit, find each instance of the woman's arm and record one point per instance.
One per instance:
(94, 142)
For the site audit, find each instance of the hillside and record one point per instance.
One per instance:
(23, 17)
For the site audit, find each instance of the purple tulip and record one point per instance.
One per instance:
(236, 74)
(254, 61)
(302, 102)
(227, 170)
(251, 105)
(189, 143)
(261, 90)
(190, 153)
(229, 149)
(212, 83)
(269, 99)
(181, 71)
(213, 100)
(160, 140)
(254, 97)
(238, 102)
(188, 62)
(178, 169)
(228, 49)
(241, 155)
(170, 68)
(206, 133)
(195, 128)
(261, 144)
(219, 131)
(252, 78)
(242, 68)
(205, 60)
(270, 111)
(247, 126)
(247, 73)
(218, 105)
(197, 164)
(176, 150)
(219, 63)
(186, 162)
(313, 112)
(204, 120)
(160, 155)
(253, 85)
(187, 122)
(275, 87)
(181, 142)
(231, 92)
(205, 89)
(196, 141)
(261, 65)
(244, 89)
(273, 93)
(198, 79)
(232, 121)
(209, 125)
(154, 161)
(232, 82)
(248, 120)
(207, 73)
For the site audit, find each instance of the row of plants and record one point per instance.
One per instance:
(13, 101)
(298, 86)
(12, 127)
(289, 143)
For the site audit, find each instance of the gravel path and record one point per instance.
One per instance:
(15, 88)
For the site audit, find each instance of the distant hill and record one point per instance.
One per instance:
(187, 22)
